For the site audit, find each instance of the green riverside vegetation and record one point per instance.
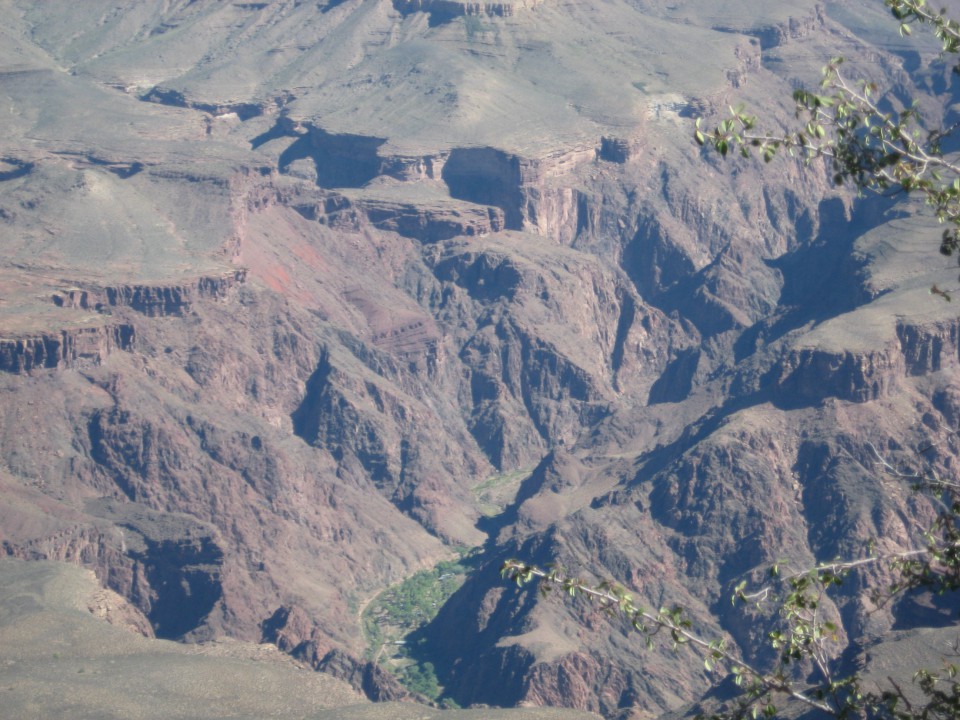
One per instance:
(396, 613)
(497, 491)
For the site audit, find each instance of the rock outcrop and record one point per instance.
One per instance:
(449, 9)
(291, 631)
(167, 566)
(151, 300)
(513, 192)
(427, 223)
(69, 348)
(929, 348)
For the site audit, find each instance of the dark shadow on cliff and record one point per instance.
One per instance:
(529, 487)
(439, 14)
(676, 380)
(306, 418)
(178, 562)
(341, 161)
(17, 168)
(331, 4)
(486, 176)
(824, 278)
(474, 667)
(274, 133)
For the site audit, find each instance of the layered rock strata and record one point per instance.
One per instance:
(68, 348)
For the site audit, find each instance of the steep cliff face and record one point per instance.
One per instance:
(928, 348)
(293, 632)
(68, 348)
(204, 511)
(151, 300)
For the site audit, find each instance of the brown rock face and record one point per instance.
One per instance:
(929, 348)
(116, 610)
(153, 301)
(67, 349)
(292, 631)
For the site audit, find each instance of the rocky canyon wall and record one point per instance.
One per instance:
(358, 287)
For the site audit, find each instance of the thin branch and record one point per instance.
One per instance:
(681, 635)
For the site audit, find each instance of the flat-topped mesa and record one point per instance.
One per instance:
(64, 349)
(151, 300)
(530, 194)
(448, 9)
(805, 376)
(508, 192)
(534, 194)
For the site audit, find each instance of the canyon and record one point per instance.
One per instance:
(287, 286)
